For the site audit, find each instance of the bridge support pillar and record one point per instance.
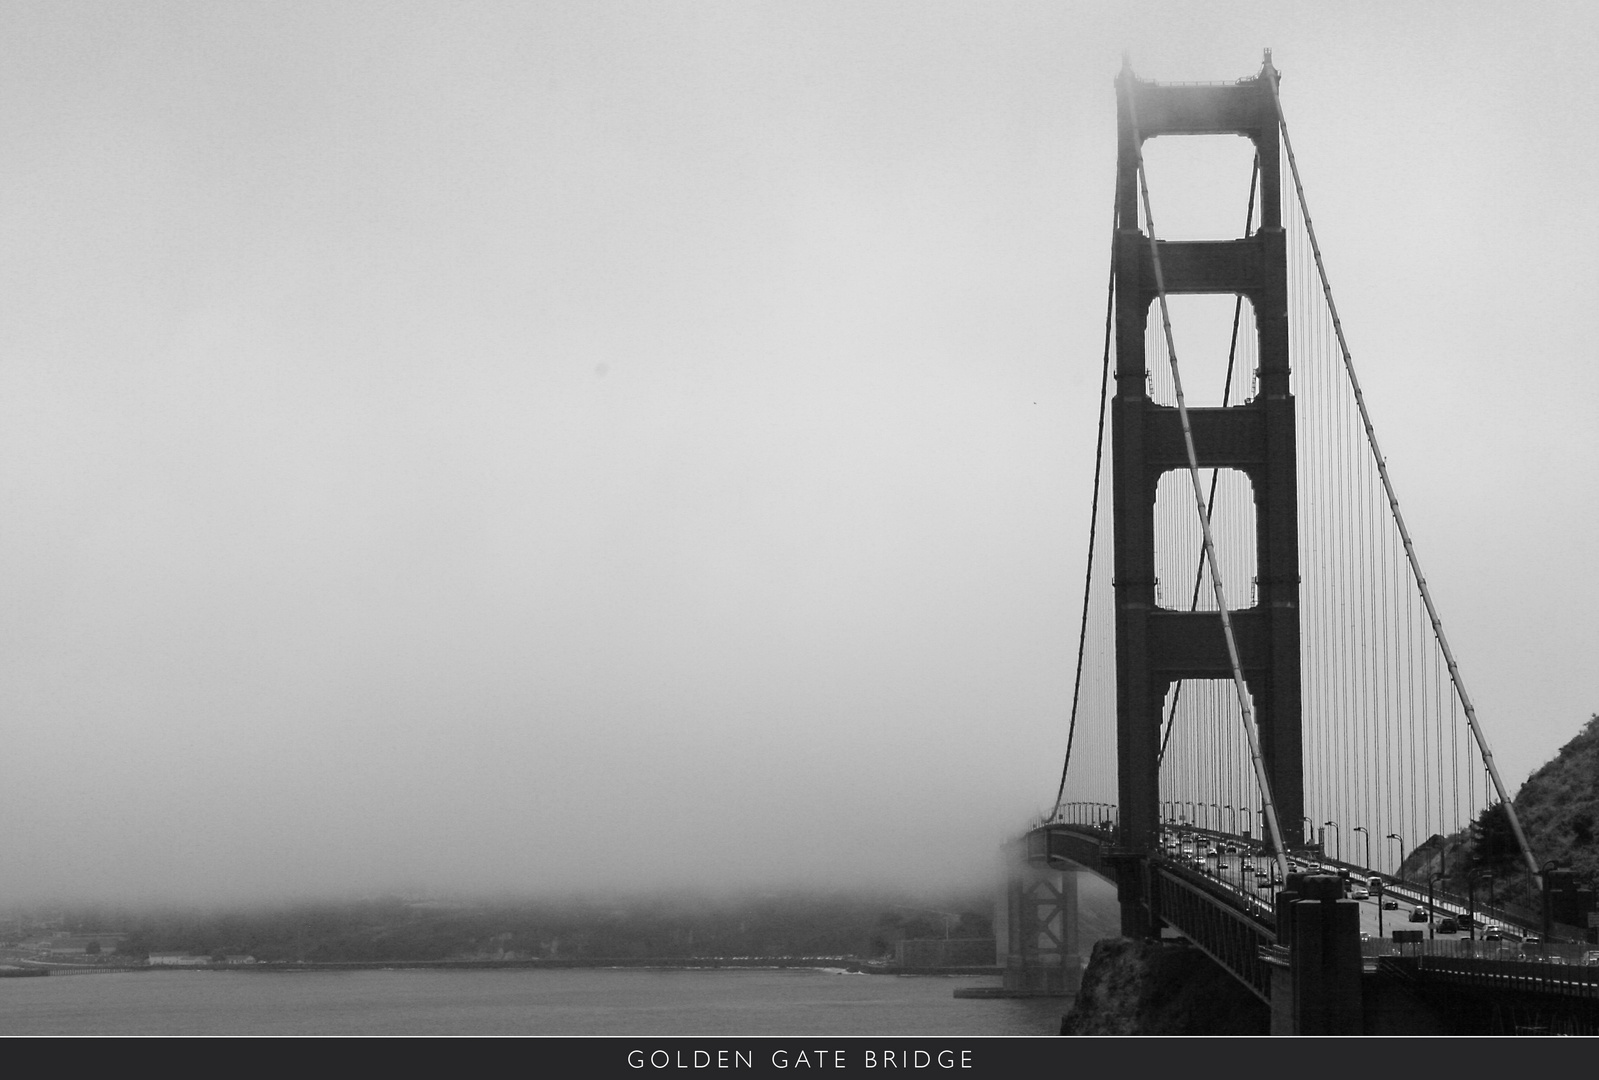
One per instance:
(1038, 938)
(1157, 645)
(1318, 991)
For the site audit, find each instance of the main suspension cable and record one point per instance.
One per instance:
(1093, 512)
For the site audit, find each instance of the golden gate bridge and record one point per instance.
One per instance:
(1262, 672)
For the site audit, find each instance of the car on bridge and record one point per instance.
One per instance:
(1448, 925)
(1419, 914)
(1493, 933)
(1390, 905)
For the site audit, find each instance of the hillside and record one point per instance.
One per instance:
(1559, 804)
(1558, 807)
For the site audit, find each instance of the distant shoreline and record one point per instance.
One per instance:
(769, 963)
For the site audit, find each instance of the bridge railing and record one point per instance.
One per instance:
(1220, 922)
(1579, 955)
(1513, 973)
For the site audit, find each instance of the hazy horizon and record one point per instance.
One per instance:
(492, 448)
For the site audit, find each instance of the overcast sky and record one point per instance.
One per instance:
(453, 446)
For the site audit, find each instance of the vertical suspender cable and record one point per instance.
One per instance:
(1224, 611)
(1393, 502)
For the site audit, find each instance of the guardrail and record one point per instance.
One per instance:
(1578, 955)
(1448, 964)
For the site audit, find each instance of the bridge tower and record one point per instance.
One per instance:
(1157, 646)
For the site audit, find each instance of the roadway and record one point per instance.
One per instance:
(1245, 870)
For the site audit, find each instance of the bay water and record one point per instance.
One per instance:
(522, 1001)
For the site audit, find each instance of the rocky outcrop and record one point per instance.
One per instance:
(1164, 988)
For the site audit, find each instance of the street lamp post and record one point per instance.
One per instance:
(1233, 819)
(1471, 895)
(1548, 898)
(1363, 829)
(1215, 821)
(1432, 913)
(1338, 845)
(1399, 870)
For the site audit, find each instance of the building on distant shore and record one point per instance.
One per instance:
(63, 944)
(944, 952)
(162, 959)
(196, 960)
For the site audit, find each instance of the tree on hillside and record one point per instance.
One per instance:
(1493, 841)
